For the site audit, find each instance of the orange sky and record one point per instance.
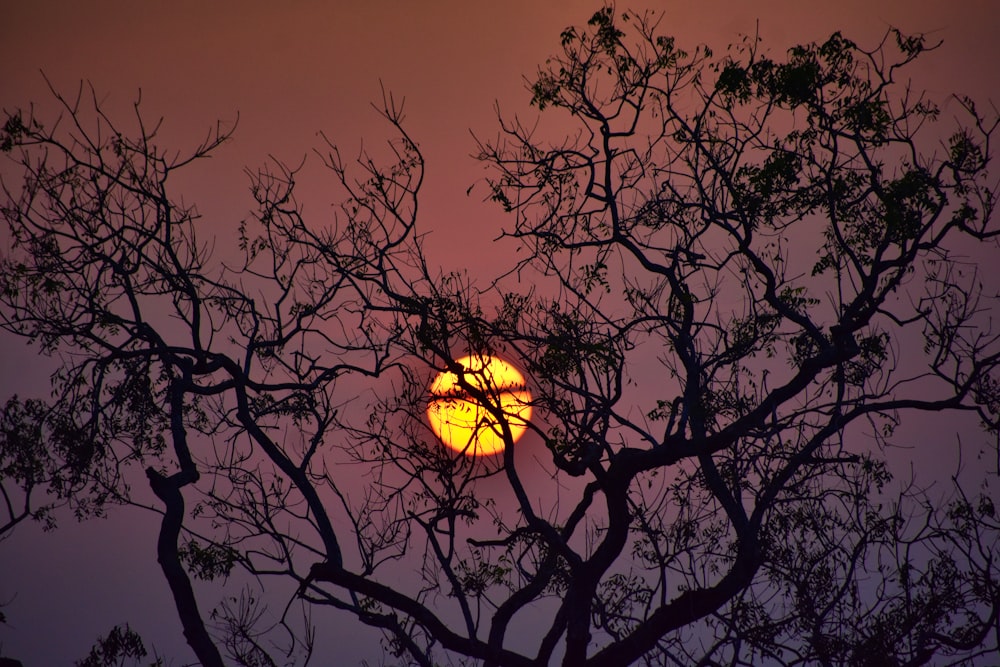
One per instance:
(312, 66)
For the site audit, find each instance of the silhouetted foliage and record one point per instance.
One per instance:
(121, 646)
(746, 272)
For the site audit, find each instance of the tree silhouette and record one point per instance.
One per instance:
(746, 273)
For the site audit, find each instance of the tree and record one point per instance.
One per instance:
(748, 273)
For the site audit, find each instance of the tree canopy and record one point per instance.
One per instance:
(738, 276)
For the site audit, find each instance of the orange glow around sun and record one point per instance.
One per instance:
(466, 426)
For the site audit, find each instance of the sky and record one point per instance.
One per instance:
(289, 72)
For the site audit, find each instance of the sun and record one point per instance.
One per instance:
(465, 425)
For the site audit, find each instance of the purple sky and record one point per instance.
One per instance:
(290, 73)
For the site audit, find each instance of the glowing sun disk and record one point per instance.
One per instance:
(465, 425)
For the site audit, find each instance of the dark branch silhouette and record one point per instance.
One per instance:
(746, 272)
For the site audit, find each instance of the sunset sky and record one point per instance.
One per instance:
(290, 71)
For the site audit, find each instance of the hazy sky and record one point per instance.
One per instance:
(308, 67)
